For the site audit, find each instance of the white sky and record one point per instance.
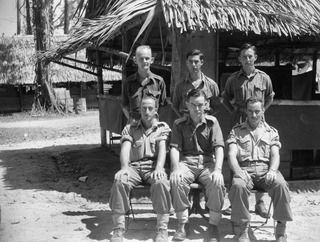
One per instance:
(8, 18)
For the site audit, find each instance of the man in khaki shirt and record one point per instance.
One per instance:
(142, 158)
(254, 159)
(240, 86)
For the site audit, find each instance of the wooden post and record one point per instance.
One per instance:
(99, 72)
(176, 61)
(100, 92)
(20, 98)
(217, 59)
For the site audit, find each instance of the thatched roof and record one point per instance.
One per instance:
(110, 18)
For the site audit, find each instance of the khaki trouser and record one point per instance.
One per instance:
(140, 172)
(278, 191)
(193, 170)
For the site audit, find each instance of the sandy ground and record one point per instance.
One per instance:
(42, 199)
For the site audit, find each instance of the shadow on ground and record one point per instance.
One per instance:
(58, 168)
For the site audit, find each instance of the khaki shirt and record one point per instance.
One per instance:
(133, 91)
(249, 148)
(193, 140)
(145, 142)
(239, 88)
(208, 86)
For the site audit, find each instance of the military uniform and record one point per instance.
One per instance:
(143, 159)
(133, 91)
(254, 157)
(208, 86)
(197, 146)
(239, 88)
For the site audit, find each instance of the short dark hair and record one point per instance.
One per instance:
(247, 46)
(195, 52)
(194, 93)
(150, 96)
(254, 100)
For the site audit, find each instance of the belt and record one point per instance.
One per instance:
(144, 159)
(252, 163)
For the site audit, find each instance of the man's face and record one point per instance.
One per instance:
(194, 64)
(247, 57)
(196, 106)
(148, 109)
(255, 113)
(143, 59)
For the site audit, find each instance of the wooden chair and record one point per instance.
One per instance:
(269, 210)
(195, 198)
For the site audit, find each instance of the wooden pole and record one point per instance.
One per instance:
(176, 61)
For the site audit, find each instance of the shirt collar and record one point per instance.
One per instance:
(242, 73)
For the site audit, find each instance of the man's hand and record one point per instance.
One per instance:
(158, 174)
(176, 176)
(270, 177)
(217, 178)
(243, 174)
(121, 173)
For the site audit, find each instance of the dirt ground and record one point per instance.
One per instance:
(43, 200)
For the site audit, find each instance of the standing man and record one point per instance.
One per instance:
(195, 80)
(142, 158)
(197, 155)
(254, 159)
(240, 86)
(142, 83)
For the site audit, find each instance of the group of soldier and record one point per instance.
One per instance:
(196, 147)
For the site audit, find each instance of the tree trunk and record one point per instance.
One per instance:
(42, 16)
(28, 18)
(18, 18)
(66, 17)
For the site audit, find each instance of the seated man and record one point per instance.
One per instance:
(142, 158)
(254, 158)
(197, 154)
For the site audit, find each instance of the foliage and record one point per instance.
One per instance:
(16, 64)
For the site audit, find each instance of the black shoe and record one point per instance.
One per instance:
(213, 233)
(181, 232)
(117, 235)
(261, 210)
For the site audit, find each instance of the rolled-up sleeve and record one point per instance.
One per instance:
(227, 93)
(164, 133)
(176, 137)
(275, 139)
(231, 138)
(217, 137)
(126, 134)
(269, 89)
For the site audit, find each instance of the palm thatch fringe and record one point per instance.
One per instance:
(281, 17)
(109, 19)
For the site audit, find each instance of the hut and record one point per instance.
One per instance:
(112, 29)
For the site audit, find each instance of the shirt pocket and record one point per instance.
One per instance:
(244, 148)
(259, 90)
(137, 151)
(264, 148)
(238, 94)
(151, 147)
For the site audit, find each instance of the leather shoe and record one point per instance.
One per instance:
(162, 236)
(117, 235)
(281, 238)
(213, 233)
(261, 210)
(181, 232)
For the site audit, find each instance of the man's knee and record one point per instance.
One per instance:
(238, 184)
